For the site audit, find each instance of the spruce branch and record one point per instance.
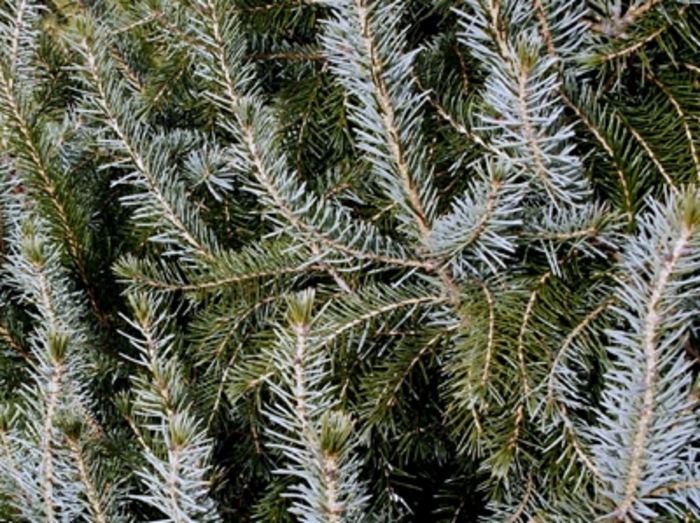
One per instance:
(525, 328)
(352, 312)
(648, 149)
(524, 115)
(646, 423)
(321, 222)
(479, 229)
(375, 69)
(559, 378)
(55, 402)
(606, 139)
(36, 158)
(176, 449)
(265, 263)
(223, 339)
(315, 436)
(399, 377)
(98, 503)
(685, 119)
(227, 59)
(164, 201)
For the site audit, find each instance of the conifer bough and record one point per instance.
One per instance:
(342, 261)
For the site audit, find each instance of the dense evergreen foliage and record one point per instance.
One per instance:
(343, 261)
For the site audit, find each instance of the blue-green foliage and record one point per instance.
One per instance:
(343, 261)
